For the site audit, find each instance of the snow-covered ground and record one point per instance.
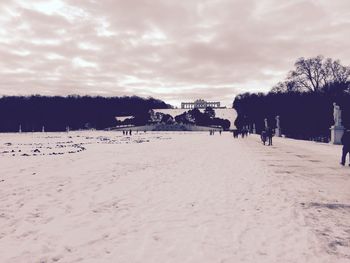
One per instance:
(171, 197)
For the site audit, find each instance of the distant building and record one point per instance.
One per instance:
(123, 118)
(200, 104)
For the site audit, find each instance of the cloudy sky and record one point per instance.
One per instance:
(175, 50)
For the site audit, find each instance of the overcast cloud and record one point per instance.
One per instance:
(171, 50)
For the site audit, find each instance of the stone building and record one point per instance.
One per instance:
(200, 104)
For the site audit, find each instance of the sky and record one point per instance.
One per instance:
(171, 50)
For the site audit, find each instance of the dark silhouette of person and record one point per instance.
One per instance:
(246, 132)
(269, 136)
(345, 140)
(130, 132)
(263, 136)
(235, 133)
(220, 132)
(242, 133)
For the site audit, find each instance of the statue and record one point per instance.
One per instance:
(278, 122)
(336, 114)
(266, 124)
(337, 130)
(278, 127)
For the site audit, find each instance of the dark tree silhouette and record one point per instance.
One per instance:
(56, 113)
(304, 115)
(167, 119)
(195, 116)
(210, 112)
(303, 101)
(315, 75)
(309, 74)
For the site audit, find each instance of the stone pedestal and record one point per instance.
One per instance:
(253, 129)
(336, 134)
(278, 132)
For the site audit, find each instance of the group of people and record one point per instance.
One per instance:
(129, 132)
(212, 132)
(266, 135)
(243, 132)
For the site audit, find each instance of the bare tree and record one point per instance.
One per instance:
(309, 74)
(285, 87)
(336, 73)
(315, 74)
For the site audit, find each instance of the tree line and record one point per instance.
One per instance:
(304, 100)
(192, 117)
(206, 118)
(77, 112)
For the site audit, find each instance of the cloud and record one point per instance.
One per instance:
(172, 50)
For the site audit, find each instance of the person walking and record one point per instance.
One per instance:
(234, 132)
(270, 135)
(263, 136)
(345, 140)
